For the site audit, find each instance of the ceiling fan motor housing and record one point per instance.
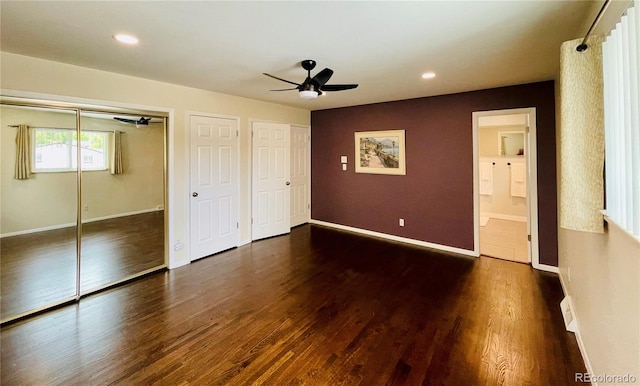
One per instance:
(316, 85)
(308, 64)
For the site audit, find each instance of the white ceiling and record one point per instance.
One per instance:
(383, 46)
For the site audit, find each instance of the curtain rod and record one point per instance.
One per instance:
(65, 128)
(583, 46)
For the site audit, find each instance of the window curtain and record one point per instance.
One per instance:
(581, 137)
(116, 153)
(23, 154)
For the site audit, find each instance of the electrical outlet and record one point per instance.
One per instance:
(85, 207)
(401, 222)
(178, 246)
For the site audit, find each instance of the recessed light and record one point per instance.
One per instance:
(126, 39)
(428, 75)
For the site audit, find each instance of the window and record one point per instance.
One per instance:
(620, 57)
(55, 150)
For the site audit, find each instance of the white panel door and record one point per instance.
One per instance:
(300, 174)
(270, 190)
(214, 185)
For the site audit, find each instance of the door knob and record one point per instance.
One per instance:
(194, 194)
(288, 183)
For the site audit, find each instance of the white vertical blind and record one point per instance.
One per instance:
(620, 60)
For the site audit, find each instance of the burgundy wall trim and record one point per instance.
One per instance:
(435, 197)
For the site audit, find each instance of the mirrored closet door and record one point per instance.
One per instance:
(39, 189)
(122, 197)
(82, 202)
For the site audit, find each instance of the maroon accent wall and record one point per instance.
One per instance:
(436, 196)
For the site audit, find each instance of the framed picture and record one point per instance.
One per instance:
(380, 152)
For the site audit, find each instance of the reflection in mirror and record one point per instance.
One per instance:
(122, 198)
(492, 144)
(38, 252)
(511, 143)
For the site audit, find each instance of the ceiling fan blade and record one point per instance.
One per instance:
(323, 76)
(125, 120)
(338, 87)
(284, 80)
(285, 89)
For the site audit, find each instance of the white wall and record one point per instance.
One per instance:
(604, 285)
(501, 203)
(21, 74)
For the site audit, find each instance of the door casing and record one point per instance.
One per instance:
(532, 181)
(300, 175)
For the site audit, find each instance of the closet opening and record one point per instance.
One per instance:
(83, 199)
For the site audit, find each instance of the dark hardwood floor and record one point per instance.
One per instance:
(316, 307)
(37, 269)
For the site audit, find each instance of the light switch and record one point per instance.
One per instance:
(343, 159)
(344, 166)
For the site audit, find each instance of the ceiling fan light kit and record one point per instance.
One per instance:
(308, 94)
(312, 87)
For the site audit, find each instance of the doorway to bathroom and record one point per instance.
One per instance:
(505, 188)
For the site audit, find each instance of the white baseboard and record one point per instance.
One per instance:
(244, 242)
(505, 217)
(439, 247)
(36, 230)
(120, 215)
(581, 347)
(72, 224)
(547, 268)
(180, 263)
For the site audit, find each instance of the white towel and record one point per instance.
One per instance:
(518, 180)
(486, 178)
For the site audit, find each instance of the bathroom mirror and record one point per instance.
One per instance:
(511, 143)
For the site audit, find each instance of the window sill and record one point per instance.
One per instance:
(66, 171)
(613, 223)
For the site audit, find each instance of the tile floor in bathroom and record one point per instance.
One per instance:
(504, 239)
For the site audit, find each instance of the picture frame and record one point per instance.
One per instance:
(380, 152)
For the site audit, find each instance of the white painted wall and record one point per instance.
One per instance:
(604, 286)
(21, 74)
(501, 202)
(502, 120)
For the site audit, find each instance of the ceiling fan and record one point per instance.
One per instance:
(312, 87)
(140, 122)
